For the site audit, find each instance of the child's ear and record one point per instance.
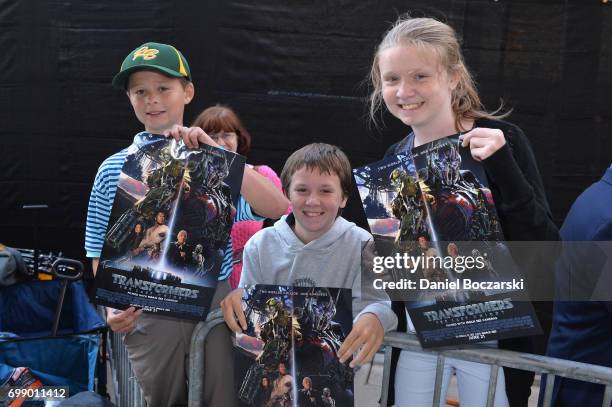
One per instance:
(286, 191)
(189, 92)
(453, 80)
(344, 200)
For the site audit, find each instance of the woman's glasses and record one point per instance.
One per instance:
(225, 135)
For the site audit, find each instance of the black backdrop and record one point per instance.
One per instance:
(294, 70)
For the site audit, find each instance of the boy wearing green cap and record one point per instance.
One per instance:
(157, 81)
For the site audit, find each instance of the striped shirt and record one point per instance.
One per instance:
(101, 202)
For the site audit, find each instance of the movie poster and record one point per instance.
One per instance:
(448, 244)
(287, 357)
(169, 227)
(378, 184)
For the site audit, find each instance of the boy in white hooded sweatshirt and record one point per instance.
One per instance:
(316, 243)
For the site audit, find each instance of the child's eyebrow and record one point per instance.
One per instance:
(319, 186)
(143, 83)
(388, 73)
(136, 85)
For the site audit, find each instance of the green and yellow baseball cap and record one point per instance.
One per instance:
(155, 56)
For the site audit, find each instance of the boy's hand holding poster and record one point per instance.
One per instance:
(169, 227)
(440, 244)
(288, 354)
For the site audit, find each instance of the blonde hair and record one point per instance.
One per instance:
(431, 34)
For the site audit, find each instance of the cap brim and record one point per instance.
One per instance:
(120, 80)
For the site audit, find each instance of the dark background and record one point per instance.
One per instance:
(295, 71)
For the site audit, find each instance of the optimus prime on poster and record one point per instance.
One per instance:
(169, 226)
(433, 192)
(288, 354)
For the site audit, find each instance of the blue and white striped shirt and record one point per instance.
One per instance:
(101, 201)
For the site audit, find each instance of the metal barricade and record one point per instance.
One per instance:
(127, 389)
(196, 357)
(498, 357)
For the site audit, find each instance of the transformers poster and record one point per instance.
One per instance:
(455, 191)
(433, 192)
(445, 245)
(169, 227)
(377, 184)
(287, 357)
(454, 219)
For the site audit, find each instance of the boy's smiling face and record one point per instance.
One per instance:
(316, 198)
(158, 100)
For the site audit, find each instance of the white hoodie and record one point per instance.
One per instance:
(276, 256)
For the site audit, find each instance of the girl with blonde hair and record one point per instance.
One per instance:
(420, 77)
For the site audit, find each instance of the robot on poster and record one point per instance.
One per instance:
(288, 354)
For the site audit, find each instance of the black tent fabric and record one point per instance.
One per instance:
(295, 72)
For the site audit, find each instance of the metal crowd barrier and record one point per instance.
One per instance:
(498, 357)
(196, 357)
(127, 390)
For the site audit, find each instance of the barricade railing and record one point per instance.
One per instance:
(127, 389)
(196, 357)
(552, 367)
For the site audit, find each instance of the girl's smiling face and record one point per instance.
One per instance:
(416, 88)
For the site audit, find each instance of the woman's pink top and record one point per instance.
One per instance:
(242, 231)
